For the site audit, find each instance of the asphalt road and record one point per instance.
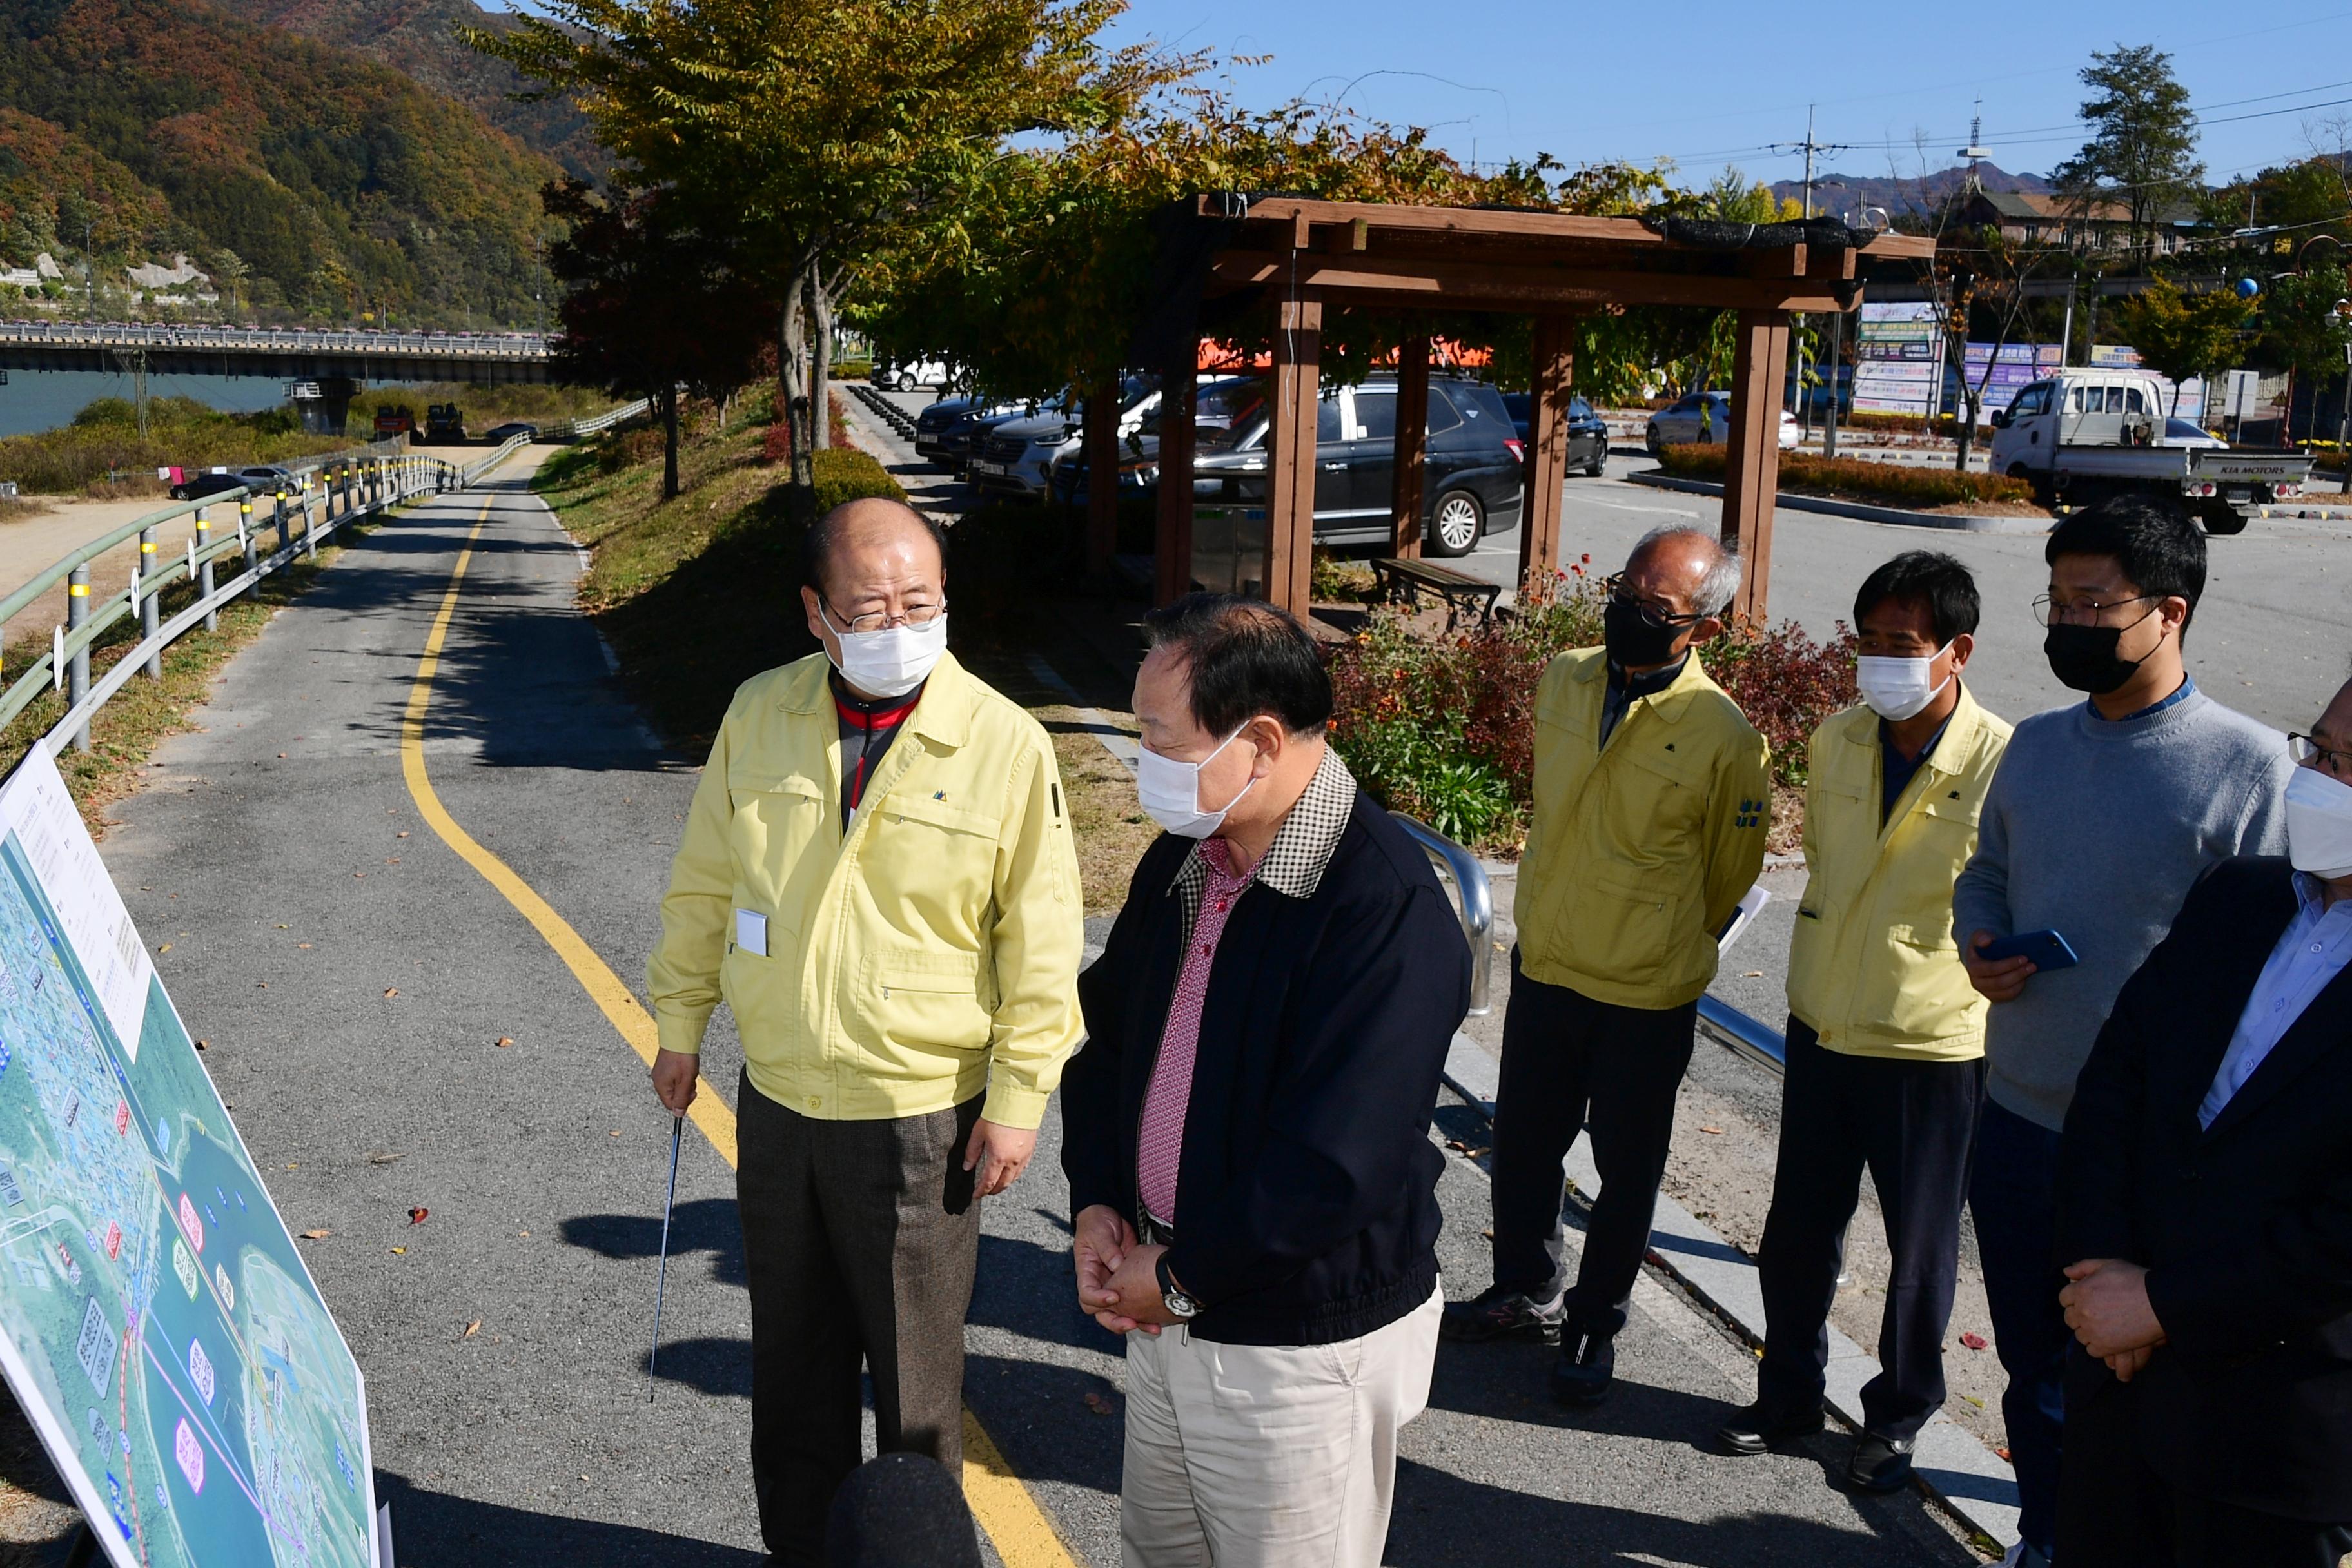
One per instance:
(353, 979)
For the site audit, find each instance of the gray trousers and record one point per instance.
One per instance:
(860, 1239)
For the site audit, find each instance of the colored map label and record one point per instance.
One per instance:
(190, 1453)
(191, 1224)
(95, 1347)
(227, 1290)
(200, 1368)
(191, 1277)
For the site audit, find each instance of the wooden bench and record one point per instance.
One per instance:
(1404, 581)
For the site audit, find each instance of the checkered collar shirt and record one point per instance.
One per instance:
(1302, 847)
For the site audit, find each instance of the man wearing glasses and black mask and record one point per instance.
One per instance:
(2101, 816)
(1652, 796)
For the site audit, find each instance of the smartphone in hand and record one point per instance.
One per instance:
(2047, 949)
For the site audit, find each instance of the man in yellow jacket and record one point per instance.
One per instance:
(878, 877)
(1886, 1032)
(1652, 796)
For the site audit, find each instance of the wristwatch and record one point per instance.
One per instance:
(1184, 1307)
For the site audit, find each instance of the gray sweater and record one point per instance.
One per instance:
(2095, 828)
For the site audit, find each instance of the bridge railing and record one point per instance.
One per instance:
(325, 495)
(176, 335)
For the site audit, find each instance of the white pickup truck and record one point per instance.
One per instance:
(2083, 435)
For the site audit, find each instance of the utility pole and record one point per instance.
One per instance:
(1809, 147)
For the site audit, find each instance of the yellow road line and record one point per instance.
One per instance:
(1023, 1537)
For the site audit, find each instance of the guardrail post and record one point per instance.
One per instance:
(311, 527)
(285, 532)
(148, 608)
(78, 678)
(246, 543)
(204, 544)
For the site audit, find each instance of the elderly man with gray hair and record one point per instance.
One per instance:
(1652, 796)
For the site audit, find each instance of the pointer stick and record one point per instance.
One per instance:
(661, 1275)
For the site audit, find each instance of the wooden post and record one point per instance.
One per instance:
(1751, 469)
(1406, 498)
(1173, 543)
(1547, 461)
(1290, 479)
(1102, 474)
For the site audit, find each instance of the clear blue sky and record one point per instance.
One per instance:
(1712, 83)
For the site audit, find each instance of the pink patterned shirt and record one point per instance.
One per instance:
(1159, 1145)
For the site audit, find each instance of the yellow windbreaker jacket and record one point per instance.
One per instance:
(1639, 851)
(930, 951)
(1874, 966)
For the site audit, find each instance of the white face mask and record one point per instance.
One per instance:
(1898, 687)
(2320, 824)
(892, 661)
(1171, 792)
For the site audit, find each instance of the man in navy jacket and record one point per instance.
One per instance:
(1246, 1131)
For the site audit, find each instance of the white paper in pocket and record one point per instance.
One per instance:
(752, 931)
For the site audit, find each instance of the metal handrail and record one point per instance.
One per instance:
(1744, 1036)
(141, 335)
(1477, 895)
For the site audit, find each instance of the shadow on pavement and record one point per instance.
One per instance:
(701, 1224)
(433, 1527)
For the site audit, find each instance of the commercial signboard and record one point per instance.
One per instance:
(2122, 356)
(2002, 377)
(1899, 355)
(156, 1322)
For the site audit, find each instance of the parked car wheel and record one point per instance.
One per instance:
(1455, 523)
(2221, 518)
(906, 381)
(1650, 439)
(1599, 465)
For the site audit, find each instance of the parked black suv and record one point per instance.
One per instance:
(1474, 467)
(1588, 433)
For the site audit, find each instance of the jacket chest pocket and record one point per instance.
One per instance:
(928, 864)
(1654, 799)
(781, 835)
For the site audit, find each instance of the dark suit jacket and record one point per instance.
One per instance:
(2245, 1227)
(1306, 1192)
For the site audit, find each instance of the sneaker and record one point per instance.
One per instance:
(1500, 1313)
(1758, 1427)
(1879, 1464)
(1587, 1365)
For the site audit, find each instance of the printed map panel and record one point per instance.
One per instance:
(155, 1320)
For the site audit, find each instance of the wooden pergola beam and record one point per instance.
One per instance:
(1172, 539)
(1415, 283)
(1290, 476)
(1751, 469)
(1547, 459)
(1411, 452)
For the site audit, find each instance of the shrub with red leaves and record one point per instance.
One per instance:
(1444, 727)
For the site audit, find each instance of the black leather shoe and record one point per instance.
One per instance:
(1499, 1312)
(1880, 1464)
(1757, 1428)
(1587, 1365)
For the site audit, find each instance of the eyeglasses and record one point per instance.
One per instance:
(2308, 753)
(1651, 613)
(2050, 613)
(878, 620)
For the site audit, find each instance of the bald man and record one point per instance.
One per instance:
(878, 877)
(1651, 797)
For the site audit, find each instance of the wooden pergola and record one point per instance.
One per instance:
(1311, 257)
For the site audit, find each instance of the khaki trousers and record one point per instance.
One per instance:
(1268, 1456)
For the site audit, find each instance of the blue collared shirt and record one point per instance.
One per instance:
(2181, 693)
(2314, 951)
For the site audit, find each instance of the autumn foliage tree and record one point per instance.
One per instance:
(654, 304)
(2183, 335)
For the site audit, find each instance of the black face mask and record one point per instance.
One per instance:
(1633, 641)
(2084, 658)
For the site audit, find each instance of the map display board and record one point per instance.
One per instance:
(1899, 359)
(155, 1322)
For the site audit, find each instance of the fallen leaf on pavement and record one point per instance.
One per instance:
(401, 833)
(399, 1249)
(1717, 1131)
(615, 1132)
(381, 1158)
(314, 1235)
(281, 754)
(472, 1329)
(416, 1217)
(505, 1040)
(361, 874)
(285, 928)
(392, 990)
(2004, 1455)
(165, 948)
(301, 944)
(1751, 974)
(203, 1045)
(1975, 1341)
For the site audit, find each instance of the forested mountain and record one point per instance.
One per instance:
(419, 38)
(1835, 193)
(155, 126)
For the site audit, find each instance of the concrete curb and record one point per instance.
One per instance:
(1968, 1481)
(1896, 515)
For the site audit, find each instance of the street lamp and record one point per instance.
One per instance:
(2344, 436)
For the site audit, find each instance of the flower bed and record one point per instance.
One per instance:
(1855, 478)
(1444, 727)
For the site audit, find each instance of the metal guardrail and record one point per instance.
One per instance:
(326, 494)
(1475, 895)
(1744, 1036)
(142, 334)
